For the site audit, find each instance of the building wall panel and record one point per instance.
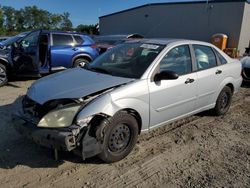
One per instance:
(197, 21)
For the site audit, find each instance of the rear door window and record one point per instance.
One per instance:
(205, 57)
(62, 40)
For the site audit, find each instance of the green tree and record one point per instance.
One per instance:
(19, 18)
(9, 18)
(44, 21)
(1, 20)
(29, 18)
(66, 24)
(55, 21)
(90, 29)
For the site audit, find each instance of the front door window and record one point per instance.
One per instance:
(178, 60)
(31, 40)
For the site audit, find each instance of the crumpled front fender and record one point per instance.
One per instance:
(108, 106)
(101, 104)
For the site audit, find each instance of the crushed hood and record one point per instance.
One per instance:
(72, 83)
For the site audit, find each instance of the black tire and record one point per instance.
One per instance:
(3, 75)
(119, 135)
(223, 101)
(78, 61)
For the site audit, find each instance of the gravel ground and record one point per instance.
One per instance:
(199, 151)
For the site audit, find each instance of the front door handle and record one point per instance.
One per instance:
(189, 80)
(218, 72)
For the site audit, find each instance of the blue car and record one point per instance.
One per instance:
(43, 52)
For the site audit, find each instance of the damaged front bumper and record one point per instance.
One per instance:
(64, 139)
(61, 139)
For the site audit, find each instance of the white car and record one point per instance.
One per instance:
(101, 109)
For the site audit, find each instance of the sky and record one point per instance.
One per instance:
(81, 11)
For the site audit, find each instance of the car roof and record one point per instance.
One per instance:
(167, 41)
(119, 36)
(161, 41)
(63, 32)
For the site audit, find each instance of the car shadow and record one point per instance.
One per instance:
(12, 85)
(17, 150)
(245, 84)
(21, 79)
(209, 113)
(27, 153)
(14, 81)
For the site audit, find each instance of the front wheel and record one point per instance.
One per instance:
(223, 101)
(119, 137)
(3, 75)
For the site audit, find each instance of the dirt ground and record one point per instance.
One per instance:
(199, 151)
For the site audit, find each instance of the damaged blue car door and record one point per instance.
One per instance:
(25, 55)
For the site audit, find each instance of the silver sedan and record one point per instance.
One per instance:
(101, 109)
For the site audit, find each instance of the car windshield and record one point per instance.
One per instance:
(128, 60)
(13, 39)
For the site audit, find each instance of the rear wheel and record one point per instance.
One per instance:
(3, 75)
(223, 101)
(119, 136)
(80, 62)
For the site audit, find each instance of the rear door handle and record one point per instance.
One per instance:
(189, 80)
(75, 49)
(218, 72)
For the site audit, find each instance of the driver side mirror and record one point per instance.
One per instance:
(166, 75)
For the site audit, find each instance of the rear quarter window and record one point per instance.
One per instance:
(222, 60)
(78, 39)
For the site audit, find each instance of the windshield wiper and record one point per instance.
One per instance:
(98, 69)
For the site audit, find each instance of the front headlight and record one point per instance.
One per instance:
(59, 118)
